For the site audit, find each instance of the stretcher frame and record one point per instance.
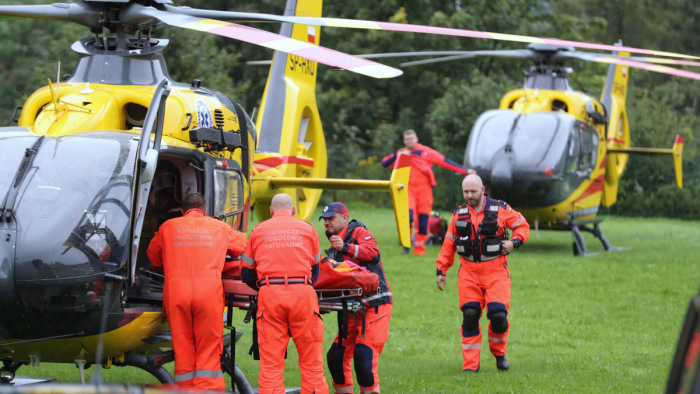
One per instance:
(239, 295)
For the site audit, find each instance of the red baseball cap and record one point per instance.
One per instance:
(333, 208)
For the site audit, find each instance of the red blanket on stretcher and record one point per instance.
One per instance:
(345, 275)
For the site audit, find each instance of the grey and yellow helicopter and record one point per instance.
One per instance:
(556, 153)
(99, 160)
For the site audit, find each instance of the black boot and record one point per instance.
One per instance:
(502, 363)
(406, 250)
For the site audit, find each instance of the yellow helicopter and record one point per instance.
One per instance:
(99, 160)
(554, 153)
(557, 154)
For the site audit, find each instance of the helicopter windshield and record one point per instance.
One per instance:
(533, 142)
(74, 206)
(533, 158)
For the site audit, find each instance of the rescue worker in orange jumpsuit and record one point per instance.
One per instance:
(192, 252)
(420, 183)
(478, 231)
(282, 262)
(352, 241)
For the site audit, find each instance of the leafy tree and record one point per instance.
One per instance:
(363, 118)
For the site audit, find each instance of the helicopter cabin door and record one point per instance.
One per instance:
(149, 145)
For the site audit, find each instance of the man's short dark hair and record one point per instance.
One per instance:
(194, 200)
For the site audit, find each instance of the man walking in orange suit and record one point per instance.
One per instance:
(192, 252)
(282, 262)
(420, 183)
(478, 232)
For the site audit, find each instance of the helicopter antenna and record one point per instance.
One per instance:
(58, 78)
(54, 96)
(252, 116)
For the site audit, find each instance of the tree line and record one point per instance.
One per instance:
(363, 118)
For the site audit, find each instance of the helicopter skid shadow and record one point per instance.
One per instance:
(26, 380)
(612, 249)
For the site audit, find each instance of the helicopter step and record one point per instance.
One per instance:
(579, 244)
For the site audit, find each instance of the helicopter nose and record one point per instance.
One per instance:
(502, 175)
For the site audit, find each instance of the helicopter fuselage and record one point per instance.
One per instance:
(78, 211)
(543, 151)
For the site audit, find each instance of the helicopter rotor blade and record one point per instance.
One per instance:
(448, 55)
(643, 63)
(647, 66)
(141, 15)
(527, 54)
(457, 55)
(81, 13)
(595, 57)
(410, 28)
(554, 56)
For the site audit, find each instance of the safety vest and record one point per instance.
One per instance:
(482, 243)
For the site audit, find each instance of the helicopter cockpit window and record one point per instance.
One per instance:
(589, 146)
(527, 141)
(229, 199)
(583, 148)
(74, 208)
(572, 160)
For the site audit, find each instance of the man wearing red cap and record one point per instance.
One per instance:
(282, 263)
(192, 253)
(420, 183)
(351, 241)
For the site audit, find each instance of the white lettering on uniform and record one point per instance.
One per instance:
(189, 237)
(282, 238)
(186, 244)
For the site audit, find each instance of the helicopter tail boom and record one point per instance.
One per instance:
(397, 185)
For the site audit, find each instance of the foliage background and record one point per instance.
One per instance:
(363, 118)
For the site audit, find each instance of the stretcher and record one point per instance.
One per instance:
(239, 295)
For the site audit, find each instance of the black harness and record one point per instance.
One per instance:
(484, 243)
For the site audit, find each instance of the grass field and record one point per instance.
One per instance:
(605, 323)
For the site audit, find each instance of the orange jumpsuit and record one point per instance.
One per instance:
(361, 248)
(420, 187)
(483, 281)
(282, 251)
(192, 250)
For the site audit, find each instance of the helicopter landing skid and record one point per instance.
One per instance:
(7, 372)
(579, 245)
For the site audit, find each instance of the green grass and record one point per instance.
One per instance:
(605, 323)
